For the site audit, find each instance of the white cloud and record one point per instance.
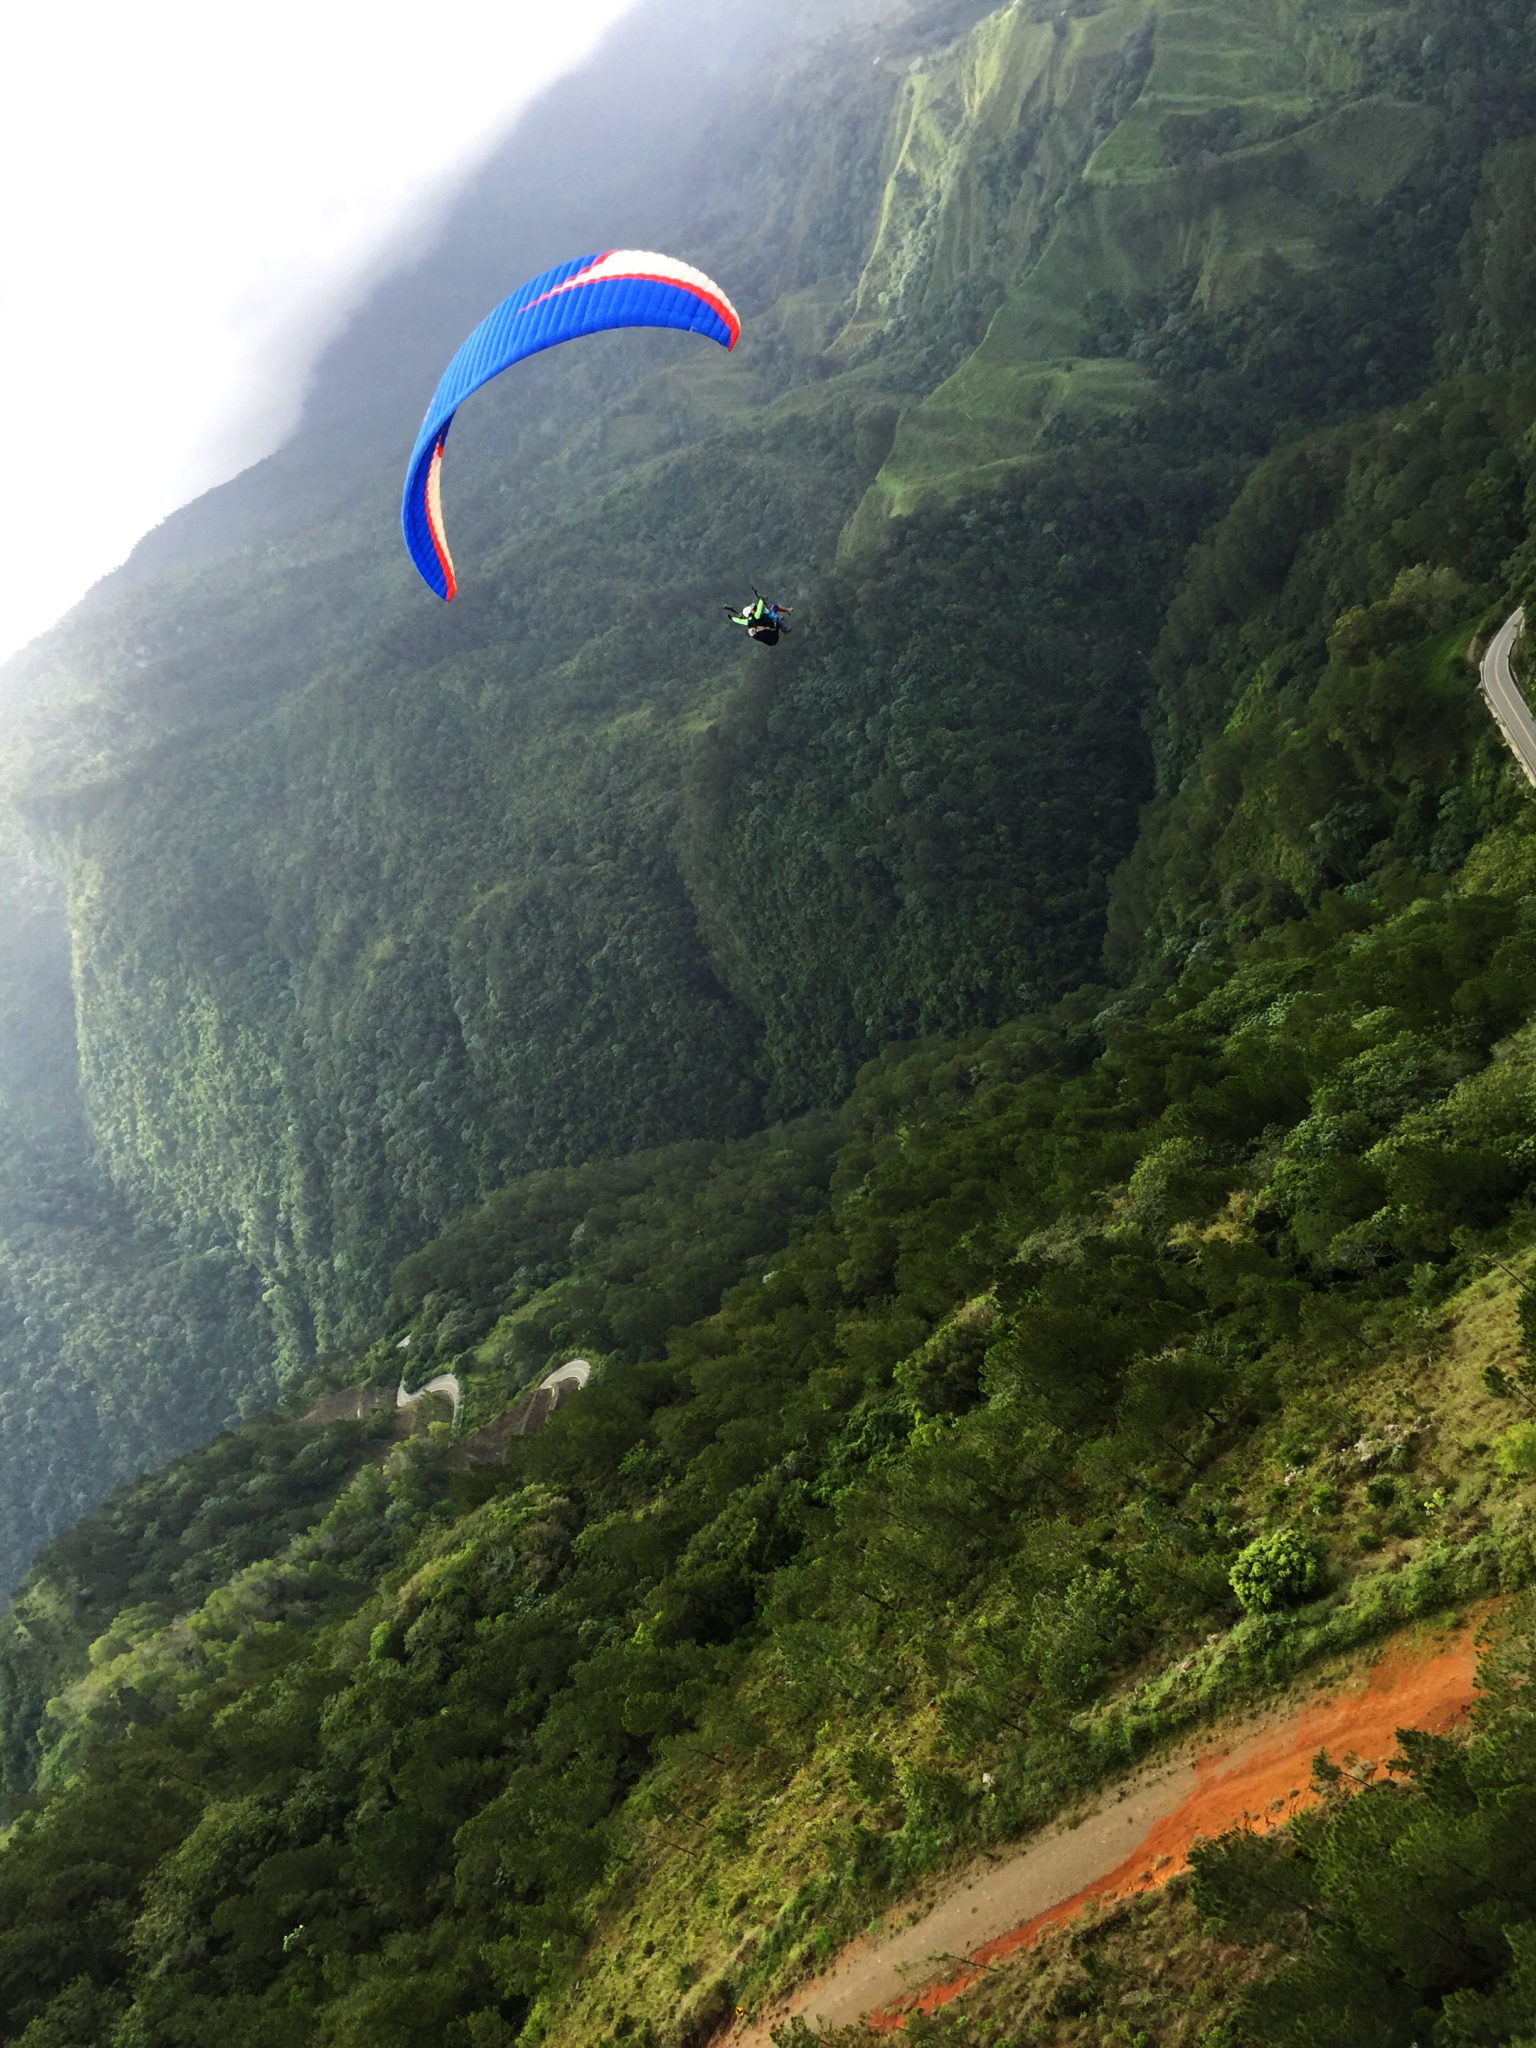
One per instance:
(194, 194)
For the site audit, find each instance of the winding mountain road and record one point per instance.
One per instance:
(1504, 698)
(445, 1383)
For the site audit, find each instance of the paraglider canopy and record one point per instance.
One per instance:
(624, 288)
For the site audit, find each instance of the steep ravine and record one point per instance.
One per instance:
(371, 906)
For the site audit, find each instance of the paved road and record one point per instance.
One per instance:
(1504, 699)
(445, 1383)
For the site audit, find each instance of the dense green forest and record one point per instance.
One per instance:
(351, 908)
(1111, 1364)
(1026, 1097)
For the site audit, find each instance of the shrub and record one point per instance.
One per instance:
(1514, 1450)
(1276, 1571)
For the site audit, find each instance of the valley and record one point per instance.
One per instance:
(1019, 1101)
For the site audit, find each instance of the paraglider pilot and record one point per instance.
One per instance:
(764, 621)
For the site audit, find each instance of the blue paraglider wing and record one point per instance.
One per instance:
(624, 288)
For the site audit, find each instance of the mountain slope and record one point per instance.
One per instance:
(371, 905)
(989, 1473)
(1143, 422)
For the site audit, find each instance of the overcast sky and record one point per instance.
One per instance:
(194, 193)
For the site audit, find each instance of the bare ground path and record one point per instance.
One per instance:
(1134, 1838)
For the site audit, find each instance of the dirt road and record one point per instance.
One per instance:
(1135, 1838)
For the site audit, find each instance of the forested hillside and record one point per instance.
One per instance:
(1025, 1096)
(1083, 1376)
(361, 905)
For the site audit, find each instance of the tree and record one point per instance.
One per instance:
(1275, 1571)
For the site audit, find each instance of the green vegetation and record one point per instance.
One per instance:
(349, 910)
(609, 1256)
(228, 1530)
(955, 1482)
(1406, 1910)
(1389, 1912)
(996, 1369)
(1275, 1571)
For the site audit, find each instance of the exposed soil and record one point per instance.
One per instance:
(354, 1404)
(1259, 1773)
